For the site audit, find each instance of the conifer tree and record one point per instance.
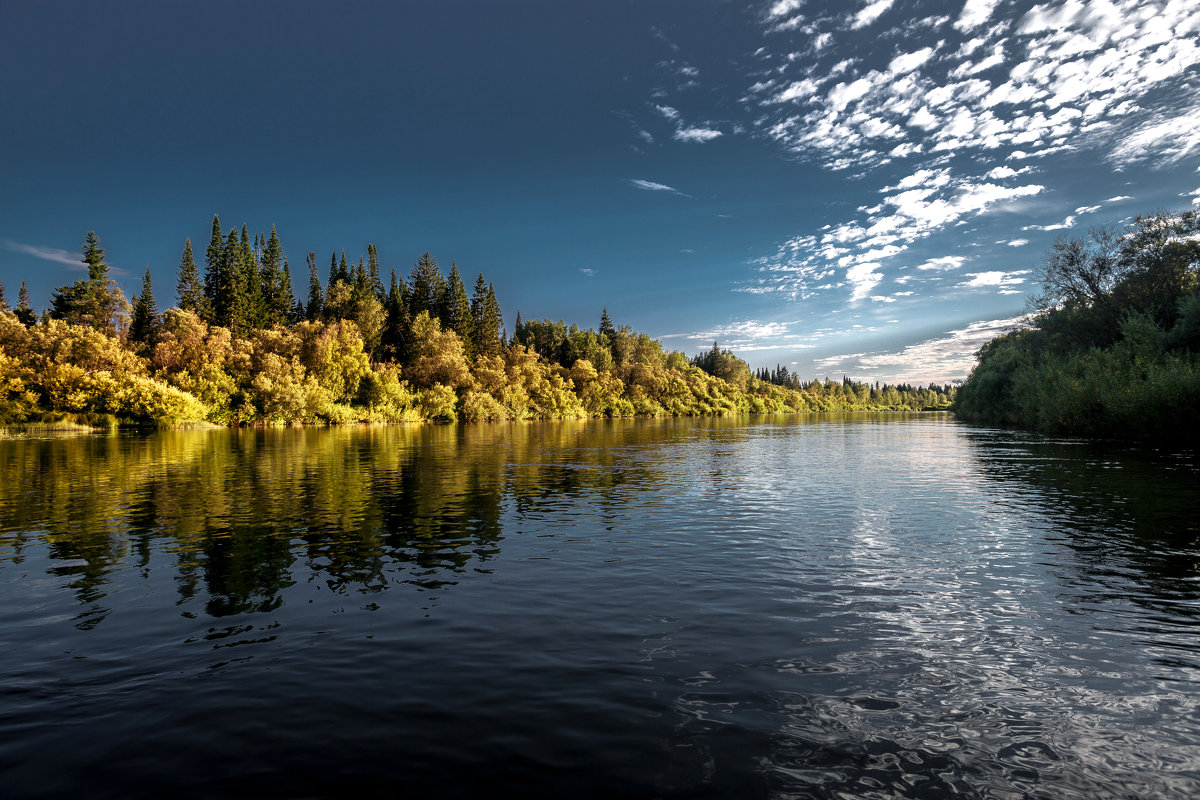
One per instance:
(362, 283)
(97, 302)
(188, 287)
(275, 282)
(427, 285)
(248, 255)
(3, 299)
(214, 281)
(373, 272)
(456, 311)
(287, 298)
(606, 326)
(398, 324)
(23, 310)
(145, 314)
(316, 297)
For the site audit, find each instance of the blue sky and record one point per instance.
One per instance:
(846, 188)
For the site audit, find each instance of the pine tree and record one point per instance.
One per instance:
(427, 285)
(145, 315)
(97, 302)
(3, 299)
(398, 323)
(316, 297)
(286, 299)
(362, 284)
(373, 272)
(93, 256)
(188, 287)
(487, 333)
(214, 282)
(456, 310)
(23, 311)
(275, 282)
(606, 326)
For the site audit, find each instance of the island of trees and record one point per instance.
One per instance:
(1113, 347)
(240, 348)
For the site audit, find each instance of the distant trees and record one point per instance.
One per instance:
(239, 348)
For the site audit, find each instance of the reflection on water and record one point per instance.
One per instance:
(867, 606)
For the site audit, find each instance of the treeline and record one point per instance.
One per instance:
(1113, 346)
(240, 348)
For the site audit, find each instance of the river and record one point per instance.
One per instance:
(825, 606)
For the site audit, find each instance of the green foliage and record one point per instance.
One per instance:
(427, 286)
(97, 302)
(1113, 352)
(145, 315)
(188, 287)
(23, 310)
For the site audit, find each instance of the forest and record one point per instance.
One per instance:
(238, 347)
(1112, 347)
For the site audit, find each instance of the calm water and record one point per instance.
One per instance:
(873, 606)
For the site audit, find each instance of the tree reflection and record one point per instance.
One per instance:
(239, 516)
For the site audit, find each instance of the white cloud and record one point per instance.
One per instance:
(1066, 224)
(73, 260)
(1015, 242)
(588, 271)
(651, 186)
(974, 14)
(997, 278)
(696, 134)
(1118, 198)
(907, 62)
(871, 12)
(943, 263)
(784, 7)
(1087, 209)
(667, 111)
(1167, 140)
(939, 360)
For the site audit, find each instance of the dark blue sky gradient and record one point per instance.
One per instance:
(507, 137)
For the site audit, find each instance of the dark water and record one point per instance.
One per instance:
(867, 606)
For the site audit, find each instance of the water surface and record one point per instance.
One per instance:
(866, 606)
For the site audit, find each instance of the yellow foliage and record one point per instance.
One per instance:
(437, 355)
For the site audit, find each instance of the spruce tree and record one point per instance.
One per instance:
(3, 299)
(145, 315)
(23, 311)
(232, 306)
(456, 310)
(286, 299)
(275, 282)
(188, 287)
(398, 323)
(214, 281)
(373, 272)
(606, 326)
(427, 286)
(97, 302)
(316, 297)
